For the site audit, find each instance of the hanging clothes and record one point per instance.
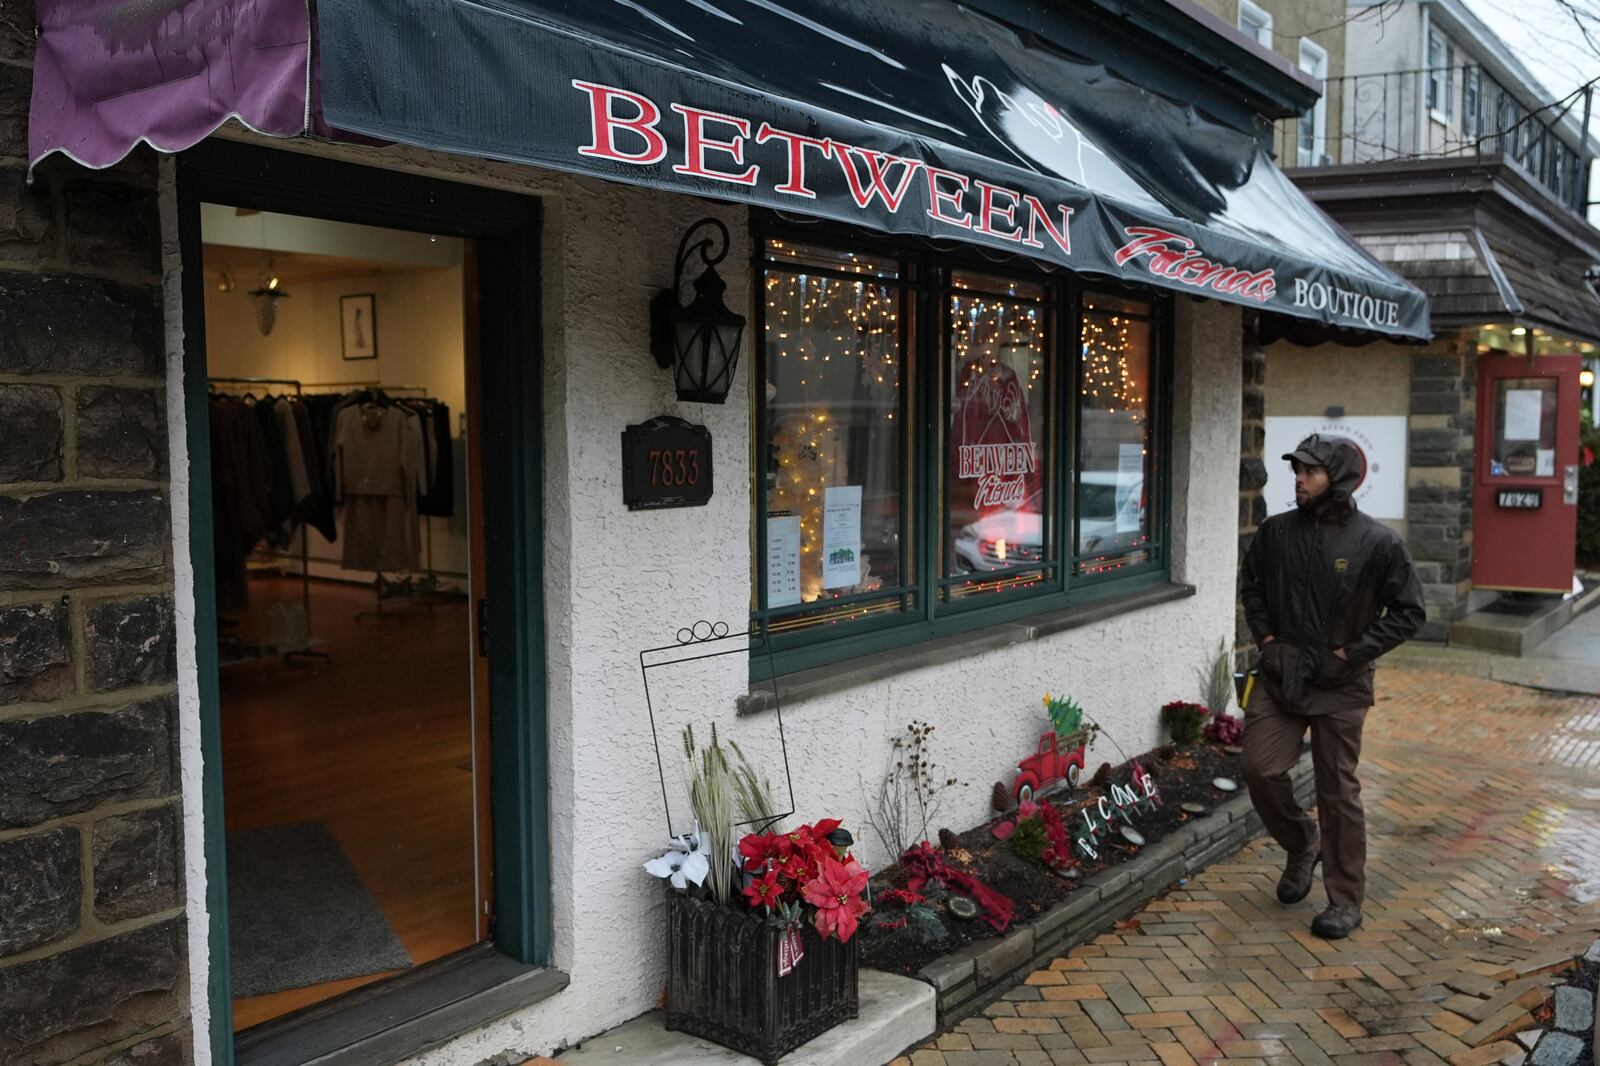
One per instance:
(241, 476)
(379, 468)
(439, 499)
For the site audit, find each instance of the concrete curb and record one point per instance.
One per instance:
(896, 1013)
(968, 979)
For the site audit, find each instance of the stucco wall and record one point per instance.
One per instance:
(687, 565)
(616, 582)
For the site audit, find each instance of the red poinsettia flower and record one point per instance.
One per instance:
(820, 831)
(764, 891)
(836, 893)
(756, 848)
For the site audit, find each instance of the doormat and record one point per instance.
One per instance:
(298, 913)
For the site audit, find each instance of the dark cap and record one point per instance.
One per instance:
(1315, 450)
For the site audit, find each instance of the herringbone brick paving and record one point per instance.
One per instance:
(1483, 812)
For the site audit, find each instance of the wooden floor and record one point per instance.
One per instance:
(377, 746)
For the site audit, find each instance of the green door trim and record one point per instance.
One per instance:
(506, 229)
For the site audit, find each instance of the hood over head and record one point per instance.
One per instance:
(1341, 458)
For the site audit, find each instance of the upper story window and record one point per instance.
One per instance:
(1441, 58)
(1472, 103)
(1256, 22)
(945, 443)
(1312, 139)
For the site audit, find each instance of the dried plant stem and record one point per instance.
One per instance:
(711, 796)
(753, 794)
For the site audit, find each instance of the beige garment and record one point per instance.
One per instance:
(378, 471)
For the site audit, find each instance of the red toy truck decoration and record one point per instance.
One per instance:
(1048, 767)
(1060, 756)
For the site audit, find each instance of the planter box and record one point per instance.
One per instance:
(723, 982)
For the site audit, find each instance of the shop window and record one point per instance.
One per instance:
(835, 380)
(999, 533)
(935, 452)
(1116, 455)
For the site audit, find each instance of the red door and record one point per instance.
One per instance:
(1525, 491)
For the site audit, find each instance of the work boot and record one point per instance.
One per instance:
(1295, 884)
(1337, 922)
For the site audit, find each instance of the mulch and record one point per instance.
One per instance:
(890, 943)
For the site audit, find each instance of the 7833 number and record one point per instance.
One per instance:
(674, 466)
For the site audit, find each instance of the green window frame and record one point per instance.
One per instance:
(924, 599)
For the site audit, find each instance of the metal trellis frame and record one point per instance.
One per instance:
(713, 640)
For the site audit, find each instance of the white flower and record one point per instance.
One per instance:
(684, 862)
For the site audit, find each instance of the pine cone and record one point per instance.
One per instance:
(1102, 776)
(1000, 799)
(949, 841)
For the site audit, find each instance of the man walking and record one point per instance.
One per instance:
(1326, 591)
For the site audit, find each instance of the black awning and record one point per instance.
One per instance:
(908, 116)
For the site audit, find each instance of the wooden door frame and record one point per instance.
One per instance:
(505, 229)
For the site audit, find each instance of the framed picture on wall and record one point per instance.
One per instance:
(358, 317)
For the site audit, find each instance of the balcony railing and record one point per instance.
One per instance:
(1441, 112)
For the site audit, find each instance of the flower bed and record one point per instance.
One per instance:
(979, 963)
(898, 937)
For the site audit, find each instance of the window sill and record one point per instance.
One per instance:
(394, 1020)
(826, 680)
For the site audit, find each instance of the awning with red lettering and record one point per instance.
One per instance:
(921, 117)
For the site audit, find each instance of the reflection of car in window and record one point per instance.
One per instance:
(1002, 539)
(1006, 538)
(1097, 510)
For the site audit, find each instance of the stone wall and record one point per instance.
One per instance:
(92, 956)
(1439, 481)
(1252, 476)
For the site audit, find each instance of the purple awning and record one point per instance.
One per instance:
(111, 73)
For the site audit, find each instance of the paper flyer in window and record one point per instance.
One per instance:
(783, 561)
(1130, 488)
(841, 536)
(1544, 462)
(1524, 413)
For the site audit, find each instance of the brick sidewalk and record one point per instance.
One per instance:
(1483, 817)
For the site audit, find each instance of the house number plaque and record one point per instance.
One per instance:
(666, 462)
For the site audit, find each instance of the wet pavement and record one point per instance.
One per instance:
(1483, 810)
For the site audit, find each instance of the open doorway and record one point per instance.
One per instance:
(348, 560)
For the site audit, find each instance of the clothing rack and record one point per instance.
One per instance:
(378, 385)
(305, 549)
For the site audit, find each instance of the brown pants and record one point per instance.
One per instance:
(1271, 746)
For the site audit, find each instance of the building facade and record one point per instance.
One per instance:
(1456, 169)
(330, 598)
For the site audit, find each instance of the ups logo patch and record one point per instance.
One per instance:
(1341, 565)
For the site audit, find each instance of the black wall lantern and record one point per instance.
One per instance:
(698, 341)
